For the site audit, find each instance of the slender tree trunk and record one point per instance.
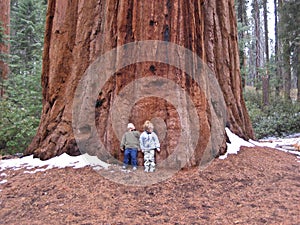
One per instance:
(285, 53)
(78, 32)
(252, 68)
(4, 47)
(277, 62)
(257, 25)
(298, 71)
(265, 77)
(242, 19)
(287, 75)
(280, 47)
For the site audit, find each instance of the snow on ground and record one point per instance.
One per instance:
(277, 145)
(33, 165)
(236, 142)
(62, 161)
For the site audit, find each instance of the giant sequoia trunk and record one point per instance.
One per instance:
(4, 46)
(78, 32)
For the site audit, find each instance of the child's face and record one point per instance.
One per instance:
(150, 129)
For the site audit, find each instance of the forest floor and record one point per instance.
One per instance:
(257, 186)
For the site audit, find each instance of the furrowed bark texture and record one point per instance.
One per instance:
(221, 49)
(77, 32)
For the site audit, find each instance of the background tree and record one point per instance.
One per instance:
(276, 52)
(289, 34)
(270, 119)
(285, 52)
(265, 76)
(243, 28)
(73, 40)
(258, 41)
(28, 26)
(4, 42)
(21, 106)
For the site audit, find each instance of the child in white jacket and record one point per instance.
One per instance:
(149, 143)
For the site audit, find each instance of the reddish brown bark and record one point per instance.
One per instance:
(4, 47)
(222, 57)
(77, 32)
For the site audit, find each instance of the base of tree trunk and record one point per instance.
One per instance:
(77, 34)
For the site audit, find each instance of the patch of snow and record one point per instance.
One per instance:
(297, 135)
(35, 171)
(278, 144)
(3, 175)
(61, 161)
(125, 171)
(3, 181)
(235, 143)
(263, 144)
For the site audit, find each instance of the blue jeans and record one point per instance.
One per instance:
(130, 153)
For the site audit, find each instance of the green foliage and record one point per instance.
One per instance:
(1, 33)
(27, 31)
(18, 126)
(290, 19)
(21, 106)
(19, 112)
(3, 41)
(278, 119)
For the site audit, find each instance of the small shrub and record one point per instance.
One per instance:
(19, 115)
(279, 119)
